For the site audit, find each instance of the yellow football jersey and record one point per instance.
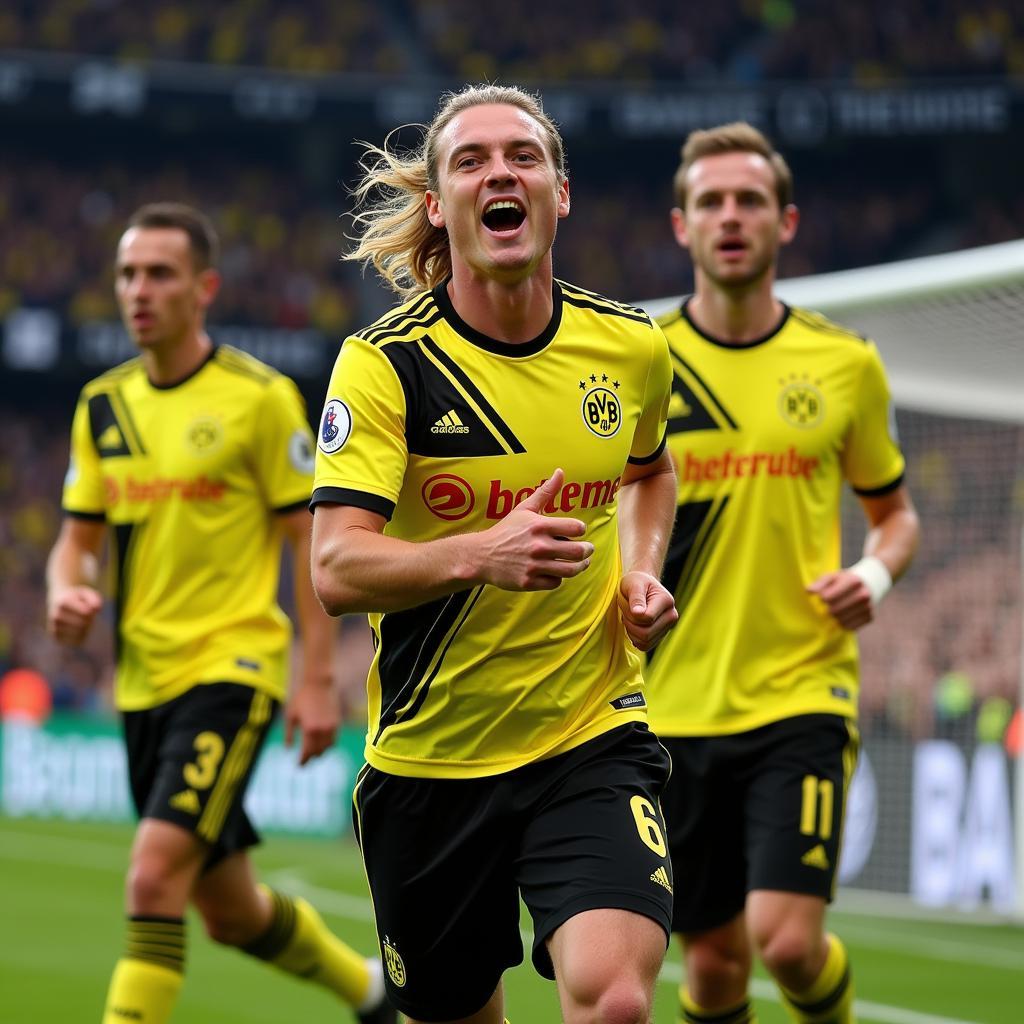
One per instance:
(763, 435)
(189, 478)
(443, 431)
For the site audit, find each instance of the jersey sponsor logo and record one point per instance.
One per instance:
(730, 466)
(204, 435)
(160, 488)
(602, 412)
(816, 857)
(335, 426)
(571, 496)
(660, 877)
(300, 453)
(801, 403)
(448, 496)
(449, 423)
(186, 801)
(394, 964)
(629, 700)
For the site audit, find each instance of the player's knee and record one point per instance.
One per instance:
(150, 887)
(716, 966)
(788, 952)
(609, 1001)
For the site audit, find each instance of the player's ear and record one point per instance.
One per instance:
(563, 198)
(789, 223)
(435, 214)
(679, 229)
(207, 286)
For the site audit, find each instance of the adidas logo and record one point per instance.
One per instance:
(660, 875)
(110, 438)
(186, 801)
(449, 423)
(816, 858)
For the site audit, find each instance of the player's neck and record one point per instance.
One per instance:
(513, 312)
(735, 317)
(167, 365)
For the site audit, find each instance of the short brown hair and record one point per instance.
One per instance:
(736, 137)
(202, 238)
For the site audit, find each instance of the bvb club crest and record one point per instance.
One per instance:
(204, 435)
(393, 963)
(601, 408)
(801, 403)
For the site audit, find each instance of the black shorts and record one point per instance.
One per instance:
(189, 761)
(756, 810)
(447, 860)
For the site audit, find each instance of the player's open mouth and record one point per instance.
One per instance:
(732, 245)
(504, 215)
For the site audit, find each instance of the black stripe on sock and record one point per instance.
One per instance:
(826, 1004)
(280, 931)
(157, 940)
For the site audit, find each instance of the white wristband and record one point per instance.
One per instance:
(875, 575)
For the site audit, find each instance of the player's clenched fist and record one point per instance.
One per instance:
(70, 612)
(648, 610)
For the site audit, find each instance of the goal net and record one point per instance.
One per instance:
(936, 811)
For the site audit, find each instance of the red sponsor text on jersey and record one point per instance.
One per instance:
(571, 496)
(729, 465)
(202, 488)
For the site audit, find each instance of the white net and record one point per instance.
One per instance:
(932, 813)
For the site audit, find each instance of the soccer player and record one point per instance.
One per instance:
(483, 449)
(197, 460)
(755, 691)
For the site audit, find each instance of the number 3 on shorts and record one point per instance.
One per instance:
(647, 825)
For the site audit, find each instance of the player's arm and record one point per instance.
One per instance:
(72, 578)
(647, 505)
(313, 706)
(357, 568)
(852, 594)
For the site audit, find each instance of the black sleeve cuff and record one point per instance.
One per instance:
(348, 496)
(877, 492)
(92, 517)
(646, 459)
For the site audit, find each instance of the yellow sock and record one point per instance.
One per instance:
(830, 999)
(145, 983)
(299, 942)
(692, 1013)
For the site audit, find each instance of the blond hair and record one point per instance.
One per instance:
(408, 252)
(737, 137)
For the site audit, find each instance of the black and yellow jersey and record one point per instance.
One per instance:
(763, 435)
(443, 431)
(189, 478)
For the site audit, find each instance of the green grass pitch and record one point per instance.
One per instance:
(61, 930)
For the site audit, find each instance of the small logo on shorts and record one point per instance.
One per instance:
(186, 801)
(630, 700)
(660, 876)
(816, 858)
(393, 962)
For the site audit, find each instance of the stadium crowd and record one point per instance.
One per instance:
(738, 41)
(282, 238)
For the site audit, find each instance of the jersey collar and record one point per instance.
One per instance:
(684, 310)
(500, 348)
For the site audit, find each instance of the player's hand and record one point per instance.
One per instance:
(529, 550)
(315, 712)
(648, 610)
(69, 613)
(846, 597)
